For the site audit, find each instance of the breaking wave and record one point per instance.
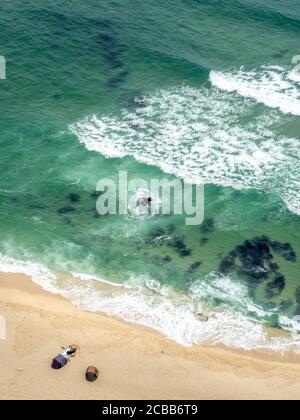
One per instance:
(146, 302)
(204, 135)
(274, 86)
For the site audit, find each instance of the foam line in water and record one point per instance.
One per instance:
(39, 273)
(203, 136)
(274, 86)
(89, 277)
(149, 304)
(174, 316)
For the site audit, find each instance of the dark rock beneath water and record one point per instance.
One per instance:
(194, 267)
(254, 261)
(275, 287)
(253, 277)
(167, 259)
(285, 250)
(285, 304)
(254, 253)
(66, 210)
(74, 198)
(274, 267)
(204, 241)
(207, 225)
(178, 244)
(185, 252)
(255, 256)
(227, 264)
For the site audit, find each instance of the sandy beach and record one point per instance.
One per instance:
(134, 363)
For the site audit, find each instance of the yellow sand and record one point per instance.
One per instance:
(134, 363)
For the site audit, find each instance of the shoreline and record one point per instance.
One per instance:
(134, 362)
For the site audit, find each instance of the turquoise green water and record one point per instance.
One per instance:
(221, 106)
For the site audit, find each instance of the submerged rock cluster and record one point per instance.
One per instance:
(254, 260)
(179, 246)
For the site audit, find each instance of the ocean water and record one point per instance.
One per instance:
(204, 91)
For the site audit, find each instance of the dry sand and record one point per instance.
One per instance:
(134, 363)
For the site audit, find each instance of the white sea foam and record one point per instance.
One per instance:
(203, 136)
(294, 75)
(89, 277)
(173, 315)
(39, 273)
(273, 86)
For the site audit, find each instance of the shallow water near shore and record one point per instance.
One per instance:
(211, 98)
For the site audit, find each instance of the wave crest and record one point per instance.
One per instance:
(274, 86)
(145, 302)
(203, 136)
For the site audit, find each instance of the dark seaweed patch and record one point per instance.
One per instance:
(179, 246)
(253, 260)
(254, 256)
(207, 226)
(274, 267)
(74, 198)
(227, 264)
(167, 259)
(203, 241)
(185, 252)
(285, 304)
(276, 286)
(194, 267)
(285, 250)
(66, 210)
